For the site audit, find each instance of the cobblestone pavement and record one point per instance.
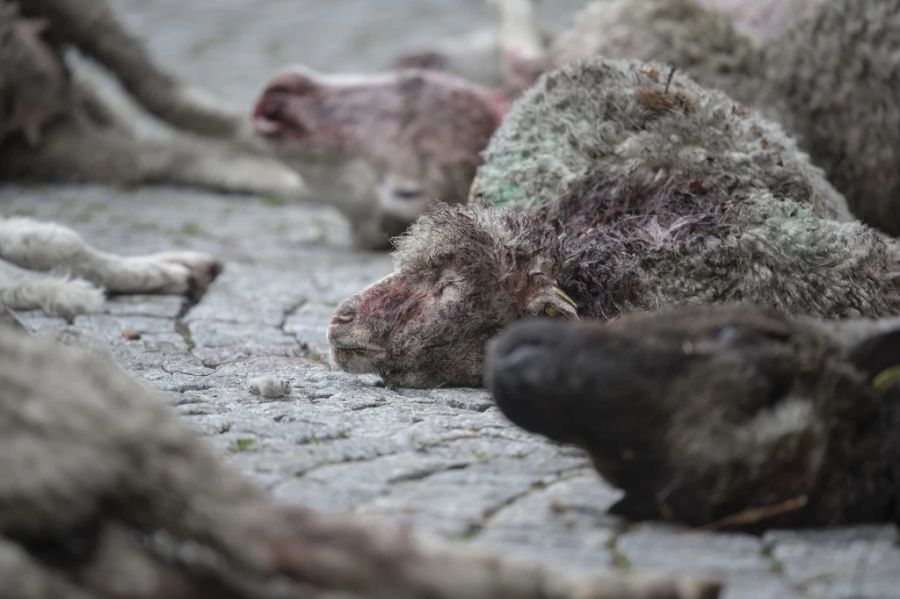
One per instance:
(444, 459)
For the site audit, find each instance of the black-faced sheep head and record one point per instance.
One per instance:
(715, 414)
(460, 276)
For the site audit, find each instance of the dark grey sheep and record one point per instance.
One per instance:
(718, 416)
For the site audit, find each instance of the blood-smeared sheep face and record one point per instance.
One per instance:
(381, 147)
(460, 276)
(406, 122)
(304, 115)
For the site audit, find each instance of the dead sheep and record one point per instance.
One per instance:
(718, 416)
(509, 54)
(682, 33)
(835, 84)
(54, 127)
(831, 77)
(720, 43)
(825, 70)
(610, 188)
(107, 493)
(716, 37)
(380, 148)
(49, 267)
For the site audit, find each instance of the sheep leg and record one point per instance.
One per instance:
(98, 109)
(26, 290)
(522, 49)
(47, 246)
(332, 552)
(93, 28)
(73, 153)
(475, 56)
(135, 467)
(517, 24)
(8, 319)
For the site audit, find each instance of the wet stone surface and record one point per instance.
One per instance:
(443, 459)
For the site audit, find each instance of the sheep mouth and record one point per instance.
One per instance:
(347, 350)
(357, 359)
(355, 349)
(272, 116)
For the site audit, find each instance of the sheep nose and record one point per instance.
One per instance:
(344, 315)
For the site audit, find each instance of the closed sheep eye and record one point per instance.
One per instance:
(407, 193)
(885, 380)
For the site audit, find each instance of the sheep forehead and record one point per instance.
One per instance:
(447, 236)
(482, 245)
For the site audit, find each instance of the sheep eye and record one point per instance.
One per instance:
(565, 297)
(886, 379)
(407, 193)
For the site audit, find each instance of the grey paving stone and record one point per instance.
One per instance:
(670, 548)
(845, 562)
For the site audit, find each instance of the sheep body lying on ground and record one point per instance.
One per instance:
(729, 416)
(681, 33)
(826, 70)
(380, 148)
(832, 79)
(105, 492)
(609, 188)
(59, 130)
(835, 84)
(79, 274)
(716, 36)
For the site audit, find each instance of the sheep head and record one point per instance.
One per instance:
(460, 276)
(383, 147)
(714, 414)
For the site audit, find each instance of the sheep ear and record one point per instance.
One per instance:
(553, 302)
(298, 80)
(878, 357)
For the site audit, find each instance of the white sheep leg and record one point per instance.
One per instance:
(519, 31)
(26, 290)
(522, 49)
(50, 247)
